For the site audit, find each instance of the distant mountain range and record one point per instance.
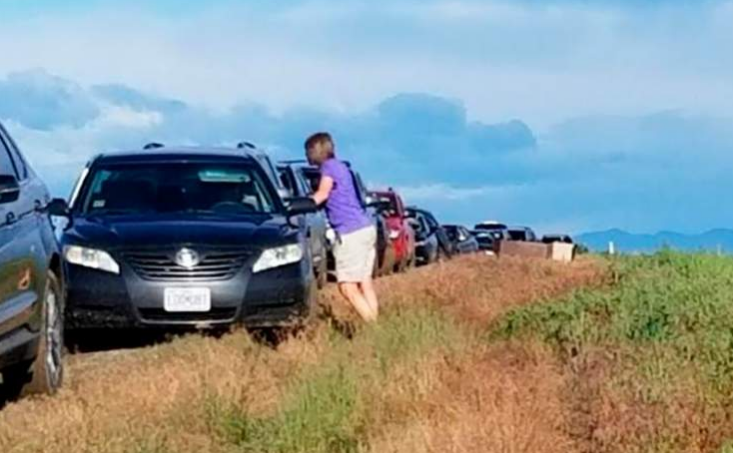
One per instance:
(713, 240)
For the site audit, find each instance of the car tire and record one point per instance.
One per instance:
(400, 267)
(412, 263)
(322, 274)
(44, 375)
(310, 318)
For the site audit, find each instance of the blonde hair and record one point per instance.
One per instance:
(319, 148)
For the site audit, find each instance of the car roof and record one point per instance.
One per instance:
(296, 164)
(491, 225)
(166, 153)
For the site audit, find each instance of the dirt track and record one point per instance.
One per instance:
(121, 400)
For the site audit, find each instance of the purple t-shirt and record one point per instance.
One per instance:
(344, 209)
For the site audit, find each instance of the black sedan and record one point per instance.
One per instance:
(185, 237)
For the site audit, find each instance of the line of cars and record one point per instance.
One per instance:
(172, 237)
(178, 238)
(488, 234)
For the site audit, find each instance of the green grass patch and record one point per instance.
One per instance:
(323, 406)
(667, 322)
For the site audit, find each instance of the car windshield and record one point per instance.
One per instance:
(388, 202)
(224, 189)
(453, 232)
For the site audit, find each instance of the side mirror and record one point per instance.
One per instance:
(59, 208)
(301, 205)
(9, 189)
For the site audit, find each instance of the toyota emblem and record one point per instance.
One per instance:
(187, 258)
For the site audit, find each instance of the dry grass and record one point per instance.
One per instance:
(421, 380)
(492, 400)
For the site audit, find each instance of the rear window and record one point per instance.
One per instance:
(224, 189)
(517, 235)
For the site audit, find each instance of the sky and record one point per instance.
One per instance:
(565, 115)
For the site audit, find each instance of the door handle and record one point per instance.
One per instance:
(38, 206)
(10, 218)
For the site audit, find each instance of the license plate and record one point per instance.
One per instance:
(187, 300)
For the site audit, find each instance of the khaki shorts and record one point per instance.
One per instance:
(355, 254)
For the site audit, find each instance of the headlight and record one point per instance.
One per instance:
(277, 257)
(394, 234)
(92, 258)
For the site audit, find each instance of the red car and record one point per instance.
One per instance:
(401, 233)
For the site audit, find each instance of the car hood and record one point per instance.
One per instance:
(115, 233)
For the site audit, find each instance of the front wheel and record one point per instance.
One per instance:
(45, 374)
(322, 274)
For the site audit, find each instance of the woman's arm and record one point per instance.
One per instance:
(324, 190)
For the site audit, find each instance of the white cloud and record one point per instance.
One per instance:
(116, 116)
(506, 59)
(437, 192)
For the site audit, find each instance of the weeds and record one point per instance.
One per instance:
(665, 334)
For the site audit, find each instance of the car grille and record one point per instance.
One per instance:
(160, 315)
(161, 266)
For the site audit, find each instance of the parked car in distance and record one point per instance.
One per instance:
(431, 240)
(186, 237)
(32, 292)
(463, 241)
(298, 186)
(489, 234)
(401, 234)
(497, 230)
(486, 241)
(520, 233)
(552, 238)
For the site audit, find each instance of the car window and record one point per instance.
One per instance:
(18, 160)
(432, 223)
(517, 235)
(287, 181)
(302, 182)
(313, 177)
(6, 164)
(222, 189)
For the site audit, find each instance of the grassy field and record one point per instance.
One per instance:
(632, 354)
(647, 362)
(423, 379)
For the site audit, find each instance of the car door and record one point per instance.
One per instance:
(470, 245)
(316, 220)
(19, 247)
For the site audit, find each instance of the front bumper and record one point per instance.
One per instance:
(276, 297)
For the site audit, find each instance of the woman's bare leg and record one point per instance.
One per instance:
(366, 288)
(356, 298)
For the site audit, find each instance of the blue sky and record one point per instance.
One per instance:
(566, 115)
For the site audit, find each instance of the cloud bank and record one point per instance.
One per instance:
(669, 169)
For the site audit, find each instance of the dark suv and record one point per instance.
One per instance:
(31, 281)
(188, 237)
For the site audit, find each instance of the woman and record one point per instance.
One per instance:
(355, 247)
